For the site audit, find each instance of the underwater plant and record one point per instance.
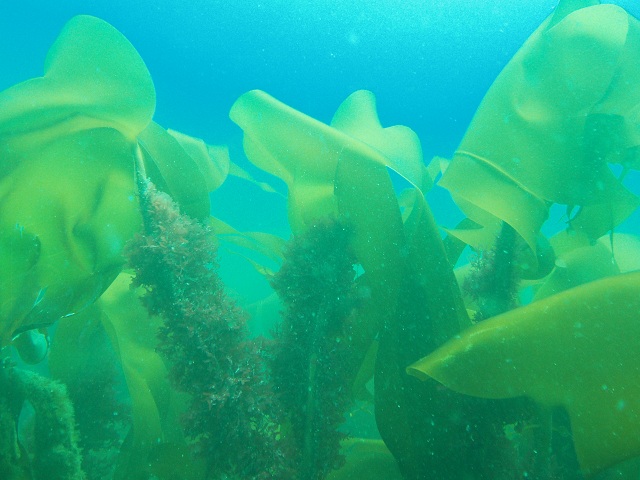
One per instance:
(543, 390)
(54, 453)
(230, 419)
(311, 353)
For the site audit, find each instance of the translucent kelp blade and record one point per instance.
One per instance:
(357, 117)
(304, 152)
(527, 144)
(67, 196)
(66, 210)
(577, 349)
(366, 458)
(154, 405)
(265, 244)
(213, 160)
(93, 77)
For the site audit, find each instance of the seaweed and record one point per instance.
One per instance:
(368, 284)
(230, 417)
(311, 353)
(55, 452)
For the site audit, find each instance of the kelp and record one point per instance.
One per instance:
(78, 120)
(68, 142)
(545, 133)
(566, 350)
(407, 275)
(559, 111)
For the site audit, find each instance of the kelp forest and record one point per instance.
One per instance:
(403, 348)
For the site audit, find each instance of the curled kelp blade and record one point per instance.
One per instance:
(266, 245)
(120, 320)
(577, 349)
(529, 144)
(65, 216)
(93, 77)
(304, 152)
(212, 160)
(67, 197)
(357, 117)
(366, 458)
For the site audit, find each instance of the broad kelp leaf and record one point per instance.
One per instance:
(579, 262)
(63, 230)
(120, 316)
(304, 152)
(355, 186)
(212, 160)
(155, 408)
(357, 117)
(67, 198)
(93, 78)
(362, 187)
(265, 244)
(175, 171)
(567, 350)
(577, 266)
(237, 171)
(529, 140)
(428, 258)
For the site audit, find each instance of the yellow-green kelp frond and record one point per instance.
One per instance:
(67, 194)
(93, 77)
(305, 152)
(577, 349)
(563, 107)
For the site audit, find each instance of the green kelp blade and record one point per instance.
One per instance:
(175, 170)
(93, 77)
(428, 258)
(577, 349)
(399, 145)
(411, 296)
(296, 148)
(525, 147)
(304, 152)
(363, 187)
(156, 410)
(212, 160)
(265, 244)
(237, 171)
(579, 261)
(67, 212)
(66, 176)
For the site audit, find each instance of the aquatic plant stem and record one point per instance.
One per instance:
(231, 418)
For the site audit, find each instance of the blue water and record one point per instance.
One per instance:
(428, 62)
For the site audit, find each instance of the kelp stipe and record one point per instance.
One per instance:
(312, 356)
(55, 453)
(230, 418)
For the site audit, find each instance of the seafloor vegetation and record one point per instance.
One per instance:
(483, 350)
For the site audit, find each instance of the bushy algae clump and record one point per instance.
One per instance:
(312, 356)
(55, 452)
(231, 418)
